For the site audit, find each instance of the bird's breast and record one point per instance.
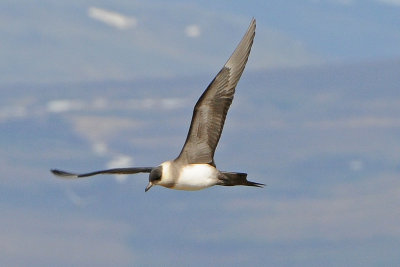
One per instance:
(196, 177)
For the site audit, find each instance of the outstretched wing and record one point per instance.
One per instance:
(69, 175)
(210, 111)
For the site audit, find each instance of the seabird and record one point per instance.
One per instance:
(194, 168)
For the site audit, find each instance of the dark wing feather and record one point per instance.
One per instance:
(69, 175)
(210, 111)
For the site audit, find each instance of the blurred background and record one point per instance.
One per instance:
(88, 85)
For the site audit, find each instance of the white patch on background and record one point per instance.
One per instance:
(100, 148)
(154, 103)
(100, 103)
(112, 18)
(192, 31)
(99, 129)
(64, 105)
(356, 165)
(10, 112)
(172, 103)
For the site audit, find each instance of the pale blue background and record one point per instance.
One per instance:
(316, 118)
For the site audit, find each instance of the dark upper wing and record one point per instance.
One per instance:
(210, 111)
(69, 175)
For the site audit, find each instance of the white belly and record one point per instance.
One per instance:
(196, 177)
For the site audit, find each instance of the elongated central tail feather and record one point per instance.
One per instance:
(237, 178)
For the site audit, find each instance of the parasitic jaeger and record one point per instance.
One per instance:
(194, 168)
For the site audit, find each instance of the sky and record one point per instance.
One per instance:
(103, 40)
(88, 85)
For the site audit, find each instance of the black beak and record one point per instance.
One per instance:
(148, 186)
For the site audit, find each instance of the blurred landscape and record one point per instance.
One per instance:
(319, 126)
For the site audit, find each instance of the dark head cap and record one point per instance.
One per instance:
(154, 177)
(155, 174)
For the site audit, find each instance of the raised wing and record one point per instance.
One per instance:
(69, 175)
(210, 111)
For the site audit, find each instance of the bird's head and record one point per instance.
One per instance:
(154, 177)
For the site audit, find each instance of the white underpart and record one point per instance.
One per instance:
(196, 177)
(192, 177)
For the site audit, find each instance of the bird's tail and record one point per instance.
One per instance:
(237, 178)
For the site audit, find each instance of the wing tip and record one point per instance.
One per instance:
(253, 21)
(240, 55)
(63, 174)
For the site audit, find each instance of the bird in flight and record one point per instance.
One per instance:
(194, 168)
